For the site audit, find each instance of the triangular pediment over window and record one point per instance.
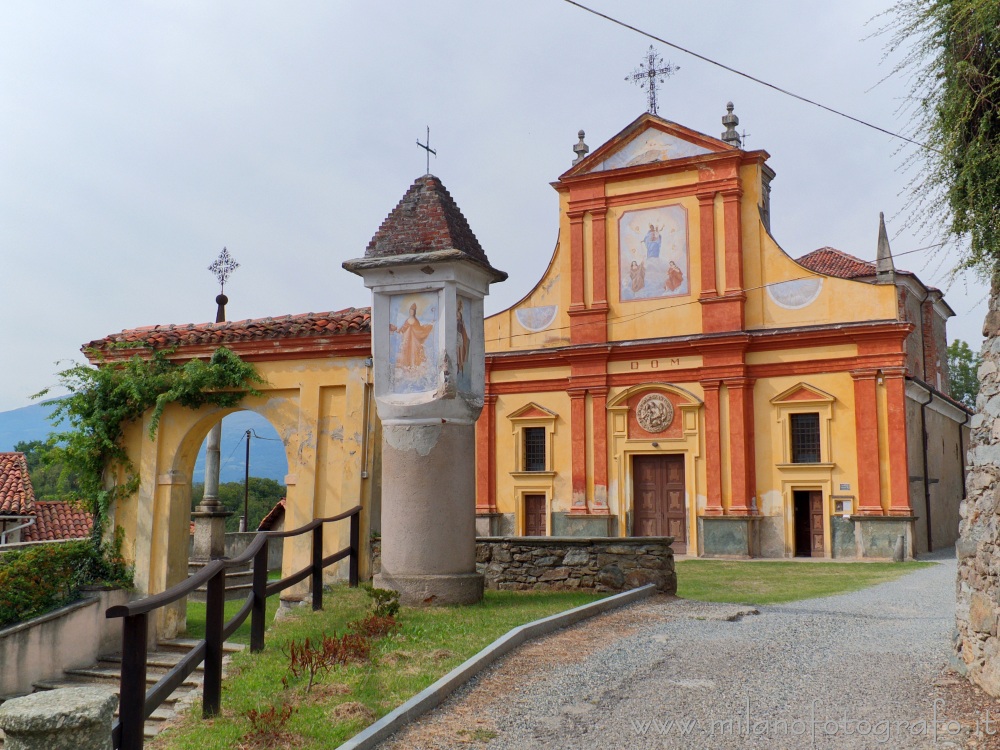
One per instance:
(648, 140)
(803, 393)
(532, 411)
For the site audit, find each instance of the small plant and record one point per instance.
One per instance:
(374, 626)
(311, 660)
(267, 727)
(385, 602)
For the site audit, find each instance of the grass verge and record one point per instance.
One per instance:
(741, 582)
(430, 642)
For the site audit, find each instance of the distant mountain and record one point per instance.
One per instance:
(267, 453)
(26, 423)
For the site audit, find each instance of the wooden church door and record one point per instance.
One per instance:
(658, 492)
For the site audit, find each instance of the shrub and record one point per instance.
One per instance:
(38, 579)
(385, 602)
(268, 726)
(374, 626)
(311, 659)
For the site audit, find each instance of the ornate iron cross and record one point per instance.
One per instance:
(428, 148)
(223, 268)
(650, 73)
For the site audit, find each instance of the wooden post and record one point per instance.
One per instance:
(215, 602)
(133, 681)
(258, 614)
(355, 549)
(317, 568)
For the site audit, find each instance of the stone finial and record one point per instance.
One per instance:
(885, 269)
(581, 149)
(731, 121)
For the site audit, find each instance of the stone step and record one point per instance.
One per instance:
(162, 660)
(110, 676)
(186, 644)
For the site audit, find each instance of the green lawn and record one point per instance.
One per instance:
(778, 582)
(430, 643)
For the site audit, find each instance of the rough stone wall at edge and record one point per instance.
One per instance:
(977, 645)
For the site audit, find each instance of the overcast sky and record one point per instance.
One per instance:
(139, 138)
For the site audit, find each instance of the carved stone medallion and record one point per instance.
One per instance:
(654, 412)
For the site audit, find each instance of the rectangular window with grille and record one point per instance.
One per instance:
(805, 438)
(534, 449)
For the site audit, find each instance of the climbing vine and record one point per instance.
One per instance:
(104, 400)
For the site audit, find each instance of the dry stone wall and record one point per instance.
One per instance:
(605, 564)
(978, 548)
(601, 564)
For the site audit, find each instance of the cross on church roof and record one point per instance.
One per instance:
(650, 73)
(427, 147)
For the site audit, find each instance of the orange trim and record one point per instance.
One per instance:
(600, 420)
(741, 445)
(866, 438)
(706, 213)
(899, 482)
(713, 448)
(578, 440)
(734, 241)
(486, 491)
(576, 259)
(589, 325)
(264, 350)
(598, 229)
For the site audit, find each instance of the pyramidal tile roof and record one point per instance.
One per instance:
(58, 519)
(425, 220)
(17, 496)
(339, 323)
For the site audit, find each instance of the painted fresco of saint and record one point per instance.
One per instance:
(462, 343)
(413, 334)
(675, 277)
(652, 241)
(637, 275)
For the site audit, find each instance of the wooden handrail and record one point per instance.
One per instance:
(136, 703)
(189, 585)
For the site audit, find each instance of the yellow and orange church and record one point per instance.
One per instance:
(673, 373)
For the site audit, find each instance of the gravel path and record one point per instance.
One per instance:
(852, 671)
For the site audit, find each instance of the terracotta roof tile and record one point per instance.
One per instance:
(273, 516)
(59, 520)
(425, 220)
(17, 496)
(339, 323)
(833, 262)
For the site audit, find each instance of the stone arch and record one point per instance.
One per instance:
(321, 410)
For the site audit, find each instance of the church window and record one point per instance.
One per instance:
(534, 449)
(805, 438)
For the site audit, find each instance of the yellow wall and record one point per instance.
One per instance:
(317, 407)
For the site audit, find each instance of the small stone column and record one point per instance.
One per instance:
(428, 276)
(65, 719)
(210, 515)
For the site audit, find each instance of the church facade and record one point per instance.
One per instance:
(675, 372)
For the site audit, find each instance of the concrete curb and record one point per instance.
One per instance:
(434, 695)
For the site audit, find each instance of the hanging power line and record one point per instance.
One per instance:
(661, 308)
(740, 73)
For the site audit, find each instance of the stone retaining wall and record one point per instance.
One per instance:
(978, 547)
(598, 563)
